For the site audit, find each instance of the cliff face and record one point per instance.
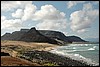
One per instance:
(54, 35)
(6, 36)
(33, 35)
(61, 36)
(75, 39)
(14, 36)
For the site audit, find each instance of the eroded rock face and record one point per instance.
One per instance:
(75, 39)
(60, 36)
(5, 54)
(34, 35)
(55, 35)
(46, 36)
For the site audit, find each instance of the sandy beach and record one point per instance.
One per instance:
(34, 45)
(35, 53)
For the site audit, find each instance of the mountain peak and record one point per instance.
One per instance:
(33, 28)
(49, 36)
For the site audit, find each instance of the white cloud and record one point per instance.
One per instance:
(81, 31)
(25, 11)
(49, 12)
(82, 19)
(3, 18)
(52, 25)
(96, 2)
(18, 13)
(87, 6)
(50, 18)
(9, 5)
(73, 3)
(12, 24)
(29, 11)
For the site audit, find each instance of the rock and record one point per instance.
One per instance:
(75, 39)
(60, 36)
(5, 54)
(34, 35)
(46, 36)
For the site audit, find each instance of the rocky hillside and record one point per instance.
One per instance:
(48, 36)
(14, 36)
(34, 36)
(75, 39)
(60, 36)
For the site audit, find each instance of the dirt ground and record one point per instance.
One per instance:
(12, 61)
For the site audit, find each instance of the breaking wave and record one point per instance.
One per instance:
(82, 53)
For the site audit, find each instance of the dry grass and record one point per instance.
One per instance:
(37, 46)
(8, 47)
(12, 61)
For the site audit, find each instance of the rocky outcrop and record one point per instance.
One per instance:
(5, 54)
(54, 35)
(34, 36)
(6, 36)
(14, 36)
(60, 36)
(48, 36)
(75, 39)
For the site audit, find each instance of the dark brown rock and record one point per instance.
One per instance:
(34, 35)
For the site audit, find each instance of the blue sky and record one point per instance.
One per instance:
(80, 18)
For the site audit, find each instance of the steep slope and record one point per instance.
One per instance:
(14, 36)
(60, 36)
(34, 36)
(6, 36)
(54, 35)
(75, 39)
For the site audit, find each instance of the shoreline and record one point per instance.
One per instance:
(77, 58)
(39, 53)
(45, 56)
(82, 60)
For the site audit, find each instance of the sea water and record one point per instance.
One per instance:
(88, 53)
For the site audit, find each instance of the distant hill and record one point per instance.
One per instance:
(33, 35)
(60, 36)
(14, 36)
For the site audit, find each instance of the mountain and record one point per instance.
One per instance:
(34, 35)
(55, 35)
(48, 36)
(60, 36)
(14, 36)
(75, 39)
(6, 36)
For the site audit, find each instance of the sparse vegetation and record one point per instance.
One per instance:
(36, 53)
(50, 64)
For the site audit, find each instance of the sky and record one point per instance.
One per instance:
(79, 18)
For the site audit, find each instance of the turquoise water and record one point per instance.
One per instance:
(87, 52)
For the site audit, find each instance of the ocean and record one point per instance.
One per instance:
(88, 53)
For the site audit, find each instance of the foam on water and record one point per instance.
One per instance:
(80, 44)
(91, 49)
(77, 57)
(74, 51)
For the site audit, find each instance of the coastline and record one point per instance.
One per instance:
(39, 53)
(76, 56)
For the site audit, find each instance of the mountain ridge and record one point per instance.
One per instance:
(33, 35)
